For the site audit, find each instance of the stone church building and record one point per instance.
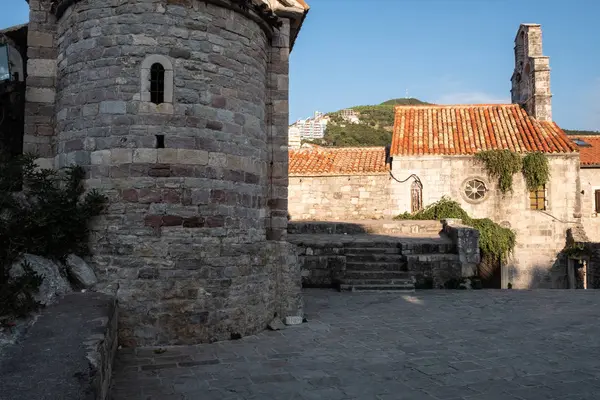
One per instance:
(432, 155)
(178, 111)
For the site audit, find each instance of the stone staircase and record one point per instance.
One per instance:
(342, 256)
(376, 268)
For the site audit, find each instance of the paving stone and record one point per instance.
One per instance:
(497, 345)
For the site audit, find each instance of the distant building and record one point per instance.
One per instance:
(350, 116)
(294, 140)
(310, 128)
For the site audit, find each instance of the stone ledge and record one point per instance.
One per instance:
(66, 354)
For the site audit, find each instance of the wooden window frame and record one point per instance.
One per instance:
(597, 201)
(538, 199)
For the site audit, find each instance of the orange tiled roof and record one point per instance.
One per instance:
(589, 155)
(337, 161)
(467, 129)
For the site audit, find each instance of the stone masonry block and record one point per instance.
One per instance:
(167, 156)
(113, 107)
(144, 156)
(40, 39)
(40, 95)
(41, 68)
(196, 157)
(121, 156)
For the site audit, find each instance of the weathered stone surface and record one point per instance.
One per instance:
(80, 272)
(54, 283)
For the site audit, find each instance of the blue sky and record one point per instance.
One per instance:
(355, 52)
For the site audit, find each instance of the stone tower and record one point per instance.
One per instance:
(531, 78)
(178, 110)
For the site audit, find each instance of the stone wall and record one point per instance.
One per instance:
(541, 235)
(339, 198)
(40, 95)
(184, 240)
(590, 182)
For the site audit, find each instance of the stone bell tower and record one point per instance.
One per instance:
(531, 78)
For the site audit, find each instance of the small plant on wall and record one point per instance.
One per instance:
(504, 164)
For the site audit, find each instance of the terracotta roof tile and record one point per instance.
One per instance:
(588, 154)
(337, 161)
(468, 129)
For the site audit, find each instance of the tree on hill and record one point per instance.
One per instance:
(576, 132)
(405, 102)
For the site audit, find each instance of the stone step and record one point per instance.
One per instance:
(427, 248)
(399, 281)
(374, 257)
(387, 274)
(352, 265)
(381, 288)
(371, 250)
(372, 244)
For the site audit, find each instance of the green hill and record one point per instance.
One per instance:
(572, 132)
(375, 127)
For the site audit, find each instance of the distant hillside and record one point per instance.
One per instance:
(375, 127)
(572, 132)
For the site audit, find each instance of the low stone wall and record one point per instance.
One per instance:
(381, 227)
(68, 351)
(338, 198)
(466, 240)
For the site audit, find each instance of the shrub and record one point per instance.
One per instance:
(49, 217)
(494, 240)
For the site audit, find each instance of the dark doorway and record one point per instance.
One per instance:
(490, 272)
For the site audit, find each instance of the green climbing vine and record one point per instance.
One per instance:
(536, 170)
(494, 240)
(504, 164)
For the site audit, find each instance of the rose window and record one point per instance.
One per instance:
(475, 189)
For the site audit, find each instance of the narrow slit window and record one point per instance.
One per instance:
(157, 83)
(597, 201)
(160, 141)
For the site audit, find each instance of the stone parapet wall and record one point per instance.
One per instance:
(466, 240)
(330, 198)
(384, 227)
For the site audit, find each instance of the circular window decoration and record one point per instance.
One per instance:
(475, 190)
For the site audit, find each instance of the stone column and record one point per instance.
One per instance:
(277, 132)
(41, 83)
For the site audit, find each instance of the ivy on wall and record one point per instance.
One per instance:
(536, 170)
(504, 164)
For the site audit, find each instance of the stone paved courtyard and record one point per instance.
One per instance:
(474, 345)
